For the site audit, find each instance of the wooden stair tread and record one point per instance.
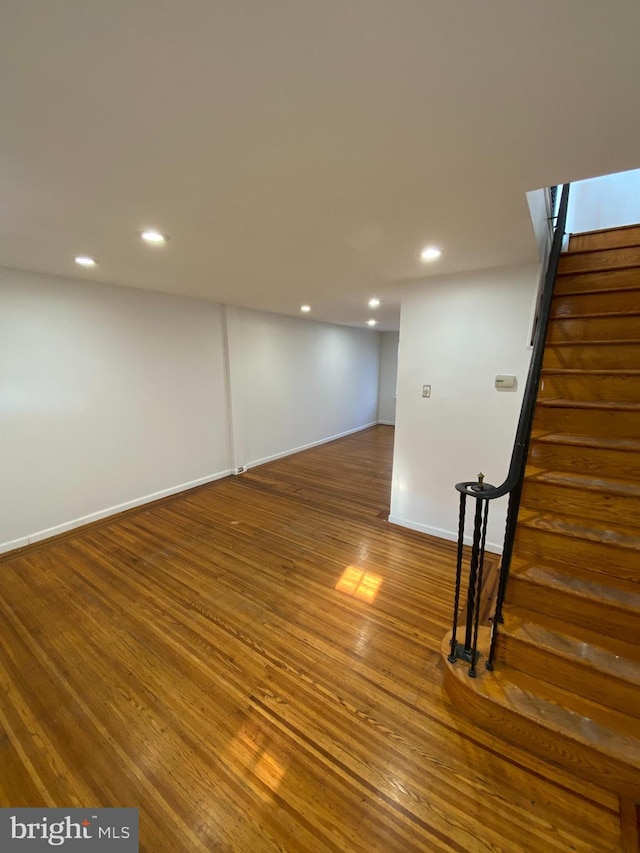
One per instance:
(603, 327)
(624, 488)
(597, 384)
(597, 343)
(575, 586)
(580, 633)
(627, 266)
(617, 288)
(590, 371)
(601, 405)
(590, 270)
(588, 314)
(600, 259)
(620, 301)
(625, 445)
(596, 281)
(586, 602)
(588, 654)
(589, 712)
(617, 239)
(610, 534)
(518, 694)
(595, 250)
(611, 230)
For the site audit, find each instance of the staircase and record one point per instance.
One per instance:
(566, 683)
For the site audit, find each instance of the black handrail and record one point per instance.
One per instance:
(512, 486)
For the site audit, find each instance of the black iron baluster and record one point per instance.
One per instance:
(473, 575)
(456, 606)
(478, 595)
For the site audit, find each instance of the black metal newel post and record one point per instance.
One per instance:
(467, 651)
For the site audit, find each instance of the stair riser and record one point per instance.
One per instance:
(594, 329)
(596, 423)
(602, 259)
(616, 301)
(586, 357)
(587, 460)
(614, 239)
(573, 674)
(587, 282)
(586, 388)
(576, 555)
(582, 503)
(599, 768)
(573, 610)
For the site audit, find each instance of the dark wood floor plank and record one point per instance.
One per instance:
(199, 659)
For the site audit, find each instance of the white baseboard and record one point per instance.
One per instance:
(105, 513)
(284, 453)
(387, 423)
(449, 535)
(13, 544)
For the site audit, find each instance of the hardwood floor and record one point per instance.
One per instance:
(255, 664)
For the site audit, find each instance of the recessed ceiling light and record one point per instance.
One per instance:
(155, 238)
(85, 261)
(430, 253)
(305, 308)
(373, 303)
(372, 322)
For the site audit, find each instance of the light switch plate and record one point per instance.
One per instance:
(426, 390)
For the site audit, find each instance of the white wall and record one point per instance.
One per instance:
(456, 333)
(109, 397)
(298, 382)
(388, 377)
(112, 397)
(606, 202)
(539, 202)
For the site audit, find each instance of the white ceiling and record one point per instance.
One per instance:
(302, 150)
